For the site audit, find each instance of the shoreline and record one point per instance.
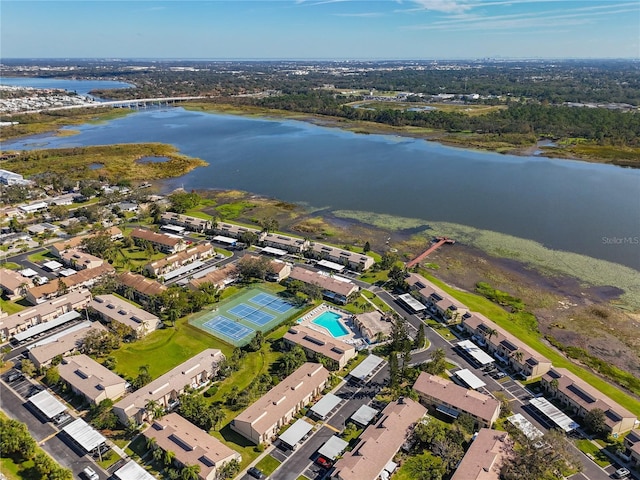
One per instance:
(630, 158)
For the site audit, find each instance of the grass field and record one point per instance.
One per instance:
(43, 256)
(268, 465)
(532, 338)
(164, 349)
(9, 307)
(586, 447)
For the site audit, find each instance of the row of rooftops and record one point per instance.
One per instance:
(156, 238)
(318, 342)
(120, 310)
(141, 284)
(584, 395)
(82, 278)
(326, 282)
(75, 242)
(197, 251)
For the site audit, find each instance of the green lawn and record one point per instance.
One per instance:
(133, 257)
(43, 256)
(510, 323)
(198, 214)
(10, 307)
(593, 452)
(268, 465)
(376, 301)
(164, 349)
(375, 277)
(11, 266)
(109, 460)
(10, 469)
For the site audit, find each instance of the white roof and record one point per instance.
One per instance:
(296, 432)
(366, 368)
(478, 354)
(84, 435)
(184, 269)
(173, 228)
(67, 272)
(223, 239)
(415, 305)
(274, 251)
(56, 336)
(333, 448)
(331, 265)
(48, 404)
(52, 265)
(364, 415)
(554, 414)
(525, 426)
(133, 471)
(391, 466)
(469, 379)
(43, 327)
(28, 272)
(326, 404)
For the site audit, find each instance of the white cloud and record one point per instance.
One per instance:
(444, 6)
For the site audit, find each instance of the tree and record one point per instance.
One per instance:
(183, 201)
(367, 247)
(157, 454)
(394, 371)
(230, 469)
(100, 343)
(256, 342)
(420, 337)
(594, 422)
(190, 472)
(425, 467)
(251, 268)
(99, 245)
(62, 288)
(151, 443)
(466, 422)
(143, 377)
(28, 368)
(438, 363)
(52, 376)
(428, 433)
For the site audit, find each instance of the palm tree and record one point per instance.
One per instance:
(157, 454)
(152, 405)
(169, 457)
(554, 384)
(491, 332)
(151, 443)
(129, 293)
(190, 472)
(518, 355)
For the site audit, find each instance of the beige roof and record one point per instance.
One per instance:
(81, 277)
(284, 397)
(64, 344)
(141, 284)
(479, 321)
(478, 404)
(588, 397)
(318, 342)
(87, 376)
(184, 219)
(183, 256)
(217, 277)
(235, 230)
(12, 280)
(340, 253)
(174, 380)
(280, 239)
(76, 241)
(484, 457)
(56, 306)
(374, 322)
(154, 237)
(192, 445)
(82, 259)
(121, 311)
(380, 441)
(323, 281)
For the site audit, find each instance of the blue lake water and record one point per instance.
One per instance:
(566, 205)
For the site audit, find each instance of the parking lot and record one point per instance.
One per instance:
(22, 385)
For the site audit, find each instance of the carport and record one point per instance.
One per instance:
(47, 404)
(336, 267)
(551, 412)
(469, 379)
(326, 404)
(412, 303)
(473, 351)
(84, 435)
(333, 448)
(133, 471)
(364, 415)
(295, 433)
(276, 252)
(363, 371)
(46, 326)
(231, 242)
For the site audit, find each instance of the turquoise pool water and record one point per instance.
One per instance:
(331, 321)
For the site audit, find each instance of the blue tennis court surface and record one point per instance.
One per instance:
(228, 328)
(271, 302)
(253, 315)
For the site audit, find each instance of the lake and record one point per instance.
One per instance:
(81, 87)
(580, 207)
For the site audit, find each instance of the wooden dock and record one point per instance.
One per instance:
(439, 242)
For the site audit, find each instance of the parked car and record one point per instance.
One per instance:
(622, 473)
(14, 376)
(254, 472)
(324, 463)
(90, 474)
(61, 418)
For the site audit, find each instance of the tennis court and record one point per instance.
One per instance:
(220, 325)
(271, 302)
(254, 315)
(236, 319)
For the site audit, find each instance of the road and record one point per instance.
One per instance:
(45, 433)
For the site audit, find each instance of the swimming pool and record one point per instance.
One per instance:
(331, 321)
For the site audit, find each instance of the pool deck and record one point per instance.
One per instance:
(352, 338)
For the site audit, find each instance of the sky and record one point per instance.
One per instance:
(320, 29)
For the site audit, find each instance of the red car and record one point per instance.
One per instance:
(323, 462)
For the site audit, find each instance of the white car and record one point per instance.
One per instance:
(90, 474)
(622, 473)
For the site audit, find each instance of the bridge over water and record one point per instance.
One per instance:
(133, 103)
